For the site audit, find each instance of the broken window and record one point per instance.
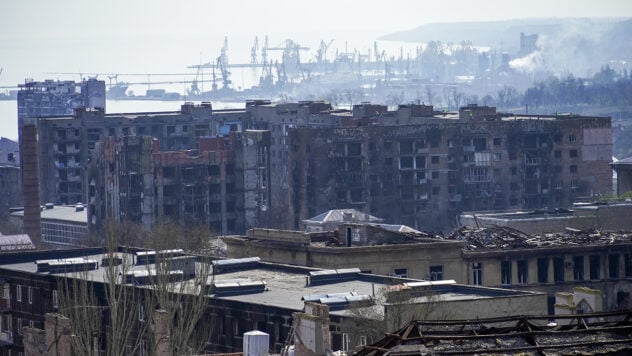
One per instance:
(435, 174)
(477, 274)
(436, 273)
(497, 141)
(572, 153)
(571, 138)
(405, 162)
(558, 269)
(543, 270)
(406, 147)
(572, 168)
(628, 264)
(505, 272)
(400, 272)
(578, 268)
(523, 271)
(420, 162)
(480, 144)
(613, 266)
(595, 262)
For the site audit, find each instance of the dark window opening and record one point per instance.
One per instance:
(613, 266)
(595, 270)
(436, 273)
(523, 271)
(543, 270)
(578, 268)
(505, 272)
(558, 269)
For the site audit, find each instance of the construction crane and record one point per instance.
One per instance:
(321, 54)
(253, 51)
(290, 50)
(224, 72)
(264, 52)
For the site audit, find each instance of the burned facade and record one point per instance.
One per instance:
(412, 166)
(279, 119)
(223, 184)
(66, 142)
(425, 172)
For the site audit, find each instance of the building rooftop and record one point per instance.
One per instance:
(342, 215)
(65, 213)
(251, 281)
(503, 237)
(16, 242)
(589, 334)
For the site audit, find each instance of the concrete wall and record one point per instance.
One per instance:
(440, 308)
(616, 290)
(416, 258)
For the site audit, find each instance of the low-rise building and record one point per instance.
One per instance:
(242, 294)
(65, 225)
(498, 257)
(550, 263)
(371, 247)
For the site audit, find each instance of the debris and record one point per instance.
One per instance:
(502, 237)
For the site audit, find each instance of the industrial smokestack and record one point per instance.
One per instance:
(30, 182)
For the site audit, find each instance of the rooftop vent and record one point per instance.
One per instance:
(236, 264)
(142, 277)
(338, 301)
(111, 260)
(332, 276)
(149, 257)
(238, 286)
(66, 265)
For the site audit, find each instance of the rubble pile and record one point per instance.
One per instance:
(502, 237)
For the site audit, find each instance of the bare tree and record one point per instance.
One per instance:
(392, 307)
(178, 288)
(118, 304)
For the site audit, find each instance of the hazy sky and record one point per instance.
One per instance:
(123, 35)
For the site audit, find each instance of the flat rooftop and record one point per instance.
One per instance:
(285, 286)
(63, 213)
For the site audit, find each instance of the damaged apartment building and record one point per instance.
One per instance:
(222, 184)
(421, 168)
(414, 165)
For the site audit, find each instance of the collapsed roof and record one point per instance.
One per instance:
(502, 237)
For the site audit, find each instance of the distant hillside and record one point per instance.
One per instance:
(579, 45)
